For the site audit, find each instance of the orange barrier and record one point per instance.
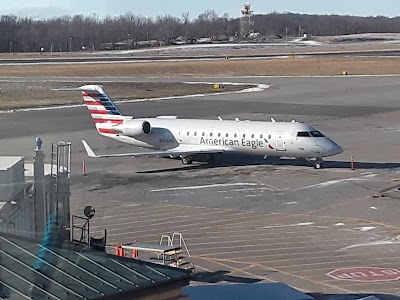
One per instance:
(134, 252)
(119, 251)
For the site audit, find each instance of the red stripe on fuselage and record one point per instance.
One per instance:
(106, 130)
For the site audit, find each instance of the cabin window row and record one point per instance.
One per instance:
(235, 135)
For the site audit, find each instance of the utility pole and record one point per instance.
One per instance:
(70, 44)
(11, 47)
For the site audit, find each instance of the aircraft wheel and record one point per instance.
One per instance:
(187, 160)
(317, 165)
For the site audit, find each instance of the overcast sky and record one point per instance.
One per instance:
(152, 8)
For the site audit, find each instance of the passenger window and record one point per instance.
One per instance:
(261, 136)
(203, 134)
(269, 136)
(195, 133)
(210, 133)
(235, 135)
(219, 134)
(244, 135)
(316, 134)
(303, 134)
(188, 133)
(252, 136)
(227, 135)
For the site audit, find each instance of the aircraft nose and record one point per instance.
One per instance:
(333, 148)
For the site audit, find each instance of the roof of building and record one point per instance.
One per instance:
(31, 270)
(7, 162)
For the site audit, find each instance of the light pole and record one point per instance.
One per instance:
(70, 44)
(11, 46)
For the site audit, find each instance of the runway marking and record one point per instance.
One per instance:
(173, 216)
(273, 188)
(332, 254)
(284, 272)
(363, 261)
(306, 247)
(265, 234)
(249, 246)
(193, 220)
(394, 241)
(289, 225)
(248, 190)
(368, 284)
(234, 269)
(251, 196)
(335, 181)
(197, 187)
(146, 218)
(328, 269)
(179, 227)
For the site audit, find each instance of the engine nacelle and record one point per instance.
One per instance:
(134, 128)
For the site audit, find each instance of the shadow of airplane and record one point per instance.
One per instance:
(240, 160)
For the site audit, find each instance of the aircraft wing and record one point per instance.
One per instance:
(177, 152)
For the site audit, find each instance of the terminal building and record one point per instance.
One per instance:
(39, 256)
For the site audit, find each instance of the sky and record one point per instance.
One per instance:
(152, 8)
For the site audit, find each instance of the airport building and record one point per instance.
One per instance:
(41, 258)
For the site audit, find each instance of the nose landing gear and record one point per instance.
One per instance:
(318, 163)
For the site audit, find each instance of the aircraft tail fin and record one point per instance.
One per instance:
(102, 109)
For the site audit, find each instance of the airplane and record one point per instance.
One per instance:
(199, 139)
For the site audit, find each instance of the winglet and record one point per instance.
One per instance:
(89, 150)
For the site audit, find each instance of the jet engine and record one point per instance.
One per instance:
(134, 128)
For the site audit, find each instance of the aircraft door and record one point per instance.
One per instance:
(184, 137)
(280, 141)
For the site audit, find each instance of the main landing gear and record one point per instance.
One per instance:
(186, 160)
(318, 163)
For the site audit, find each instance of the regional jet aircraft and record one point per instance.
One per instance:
(193, 139)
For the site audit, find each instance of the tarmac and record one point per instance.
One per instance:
(249, 220)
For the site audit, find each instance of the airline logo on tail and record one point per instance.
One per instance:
(103, 111)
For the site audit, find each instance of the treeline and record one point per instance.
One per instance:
(323, 25)
(68, 33)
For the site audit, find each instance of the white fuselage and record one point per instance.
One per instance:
(247, 137)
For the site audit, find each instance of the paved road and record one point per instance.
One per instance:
(203, 56)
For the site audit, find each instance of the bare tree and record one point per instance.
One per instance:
(27, 34)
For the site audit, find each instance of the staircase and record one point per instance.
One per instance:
(176, 240)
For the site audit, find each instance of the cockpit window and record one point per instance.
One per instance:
(303, 134)
(316, 134)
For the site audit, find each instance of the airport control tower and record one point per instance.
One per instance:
(245, 21)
